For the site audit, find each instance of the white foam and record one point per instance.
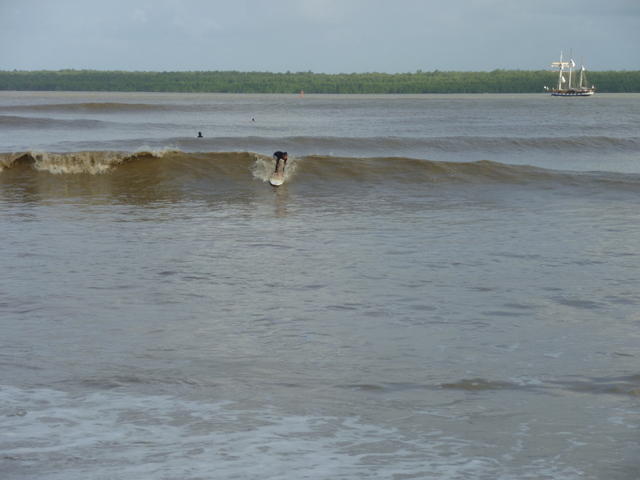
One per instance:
(81, 162)
(56, 435)
(157, 152)
(553, 355)
(77, 162)
(263, 168)
(527, 381)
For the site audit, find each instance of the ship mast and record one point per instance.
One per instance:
(560, 78)
(561, 65)
(572, 64)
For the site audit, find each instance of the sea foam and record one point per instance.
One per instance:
(58, 435)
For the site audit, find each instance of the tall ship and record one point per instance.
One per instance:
(565, 86)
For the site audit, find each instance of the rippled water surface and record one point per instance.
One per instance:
(444, 287)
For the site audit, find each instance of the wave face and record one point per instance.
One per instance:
(174, 166)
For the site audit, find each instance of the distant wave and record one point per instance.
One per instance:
(567, 143)
(16, 122)
(509, 144)
(87, 107)
(402, 144)
(174, 166)
(117, 107)
(358, 146)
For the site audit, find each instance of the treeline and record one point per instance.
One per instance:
(496, 81)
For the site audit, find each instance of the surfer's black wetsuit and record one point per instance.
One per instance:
(280, 156)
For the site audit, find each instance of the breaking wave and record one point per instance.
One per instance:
(73, 163)
(171, 165)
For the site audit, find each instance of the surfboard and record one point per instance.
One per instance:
(277, 179)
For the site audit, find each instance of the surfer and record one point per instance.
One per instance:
(277, 177)
(199, 134)
(281, 159)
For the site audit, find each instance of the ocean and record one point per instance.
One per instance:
(445, 287)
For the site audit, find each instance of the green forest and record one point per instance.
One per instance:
(496, 81)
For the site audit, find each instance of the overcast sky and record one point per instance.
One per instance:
(319, 35)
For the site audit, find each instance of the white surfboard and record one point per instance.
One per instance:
(277, 179)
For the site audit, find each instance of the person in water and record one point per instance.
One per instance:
(199, 134)
(281, 159)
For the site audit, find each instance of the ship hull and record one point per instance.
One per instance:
(572, 93)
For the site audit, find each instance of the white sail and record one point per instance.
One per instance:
(583, 78)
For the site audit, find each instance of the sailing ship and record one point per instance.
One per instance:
(569, 90)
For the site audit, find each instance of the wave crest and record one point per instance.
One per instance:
(75, 162)
(170, 165)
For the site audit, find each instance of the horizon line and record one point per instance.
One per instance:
(291, 72)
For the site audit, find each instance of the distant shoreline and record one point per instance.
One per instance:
(496, 81)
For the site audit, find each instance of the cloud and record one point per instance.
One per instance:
(139, 15)
(321, 35)
(326, 11)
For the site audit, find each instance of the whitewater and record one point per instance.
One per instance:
(446, 286)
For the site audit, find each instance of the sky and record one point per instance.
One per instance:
(325, 36)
